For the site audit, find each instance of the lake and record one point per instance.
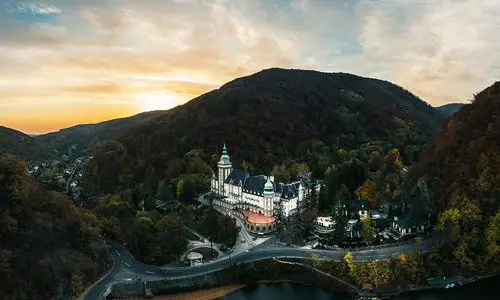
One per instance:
(486, 289)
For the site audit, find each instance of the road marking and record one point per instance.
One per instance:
(149, 272)
(118, 253)
(128, 265)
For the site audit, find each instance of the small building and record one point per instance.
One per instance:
(195, 258)
(324, 222)
(362, 207)
(416, 220)
(257, 224)
(375, 214)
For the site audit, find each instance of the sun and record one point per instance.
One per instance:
(157, 100)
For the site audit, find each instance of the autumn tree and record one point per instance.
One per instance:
(368, 192)
(349, 262)
(367, 229)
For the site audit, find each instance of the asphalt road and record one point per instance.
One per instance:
(99, 287)
(125, 264)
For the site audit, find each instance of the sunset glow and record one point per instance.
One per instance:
(65, 62)
(158, 100)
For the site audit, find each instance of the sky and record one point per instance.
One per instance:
(65, 62)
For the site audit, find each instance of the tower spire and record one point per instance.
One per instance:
(224, 158)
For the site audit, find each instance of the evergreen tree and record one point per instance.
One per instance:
(323, 202)
(312, 195)
(279, 220)
(296, 220)
(339, 213)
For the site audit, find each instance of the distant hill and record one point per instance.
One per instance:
(19, 144)
(46, 243)
(451, 108)
(85, 136)
(463, 161)
(266, 118)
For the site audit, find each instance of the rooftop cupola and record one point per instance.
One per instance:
(268, 187)
(224, 158)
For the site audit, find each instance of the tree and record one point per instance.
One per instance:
(281, 173)
(379, 273)
(312, 195)
(180, 189)
(449, 221)
(171, 237)
(301, 169)
(227, 230)
(211, 225)
(492, 241)
(349, 262)
(367, 229)
(323, 200)
(367, 192)
(280, 220)
(375, 161)
(164, 191)
(339, 213)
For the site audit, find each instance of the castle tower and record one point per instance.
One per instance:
(268, 197)
(224, 167)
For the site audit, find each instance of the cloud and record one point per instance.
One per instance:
(35, 9)
(111, 49)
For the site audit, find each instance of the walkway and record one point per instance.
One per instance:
(197, 244)
(350, 285)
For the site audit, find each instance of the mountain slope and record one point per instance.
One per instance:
(17, 143)
(267, 117)
(46, 243)
(464, 162)
(87, 135)
(450, 108)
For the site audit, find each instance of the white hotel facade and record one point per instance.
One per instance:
(257, 194)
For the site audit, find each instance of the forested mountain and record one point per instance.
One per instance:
(47, 245)
(17, 143)
(450, 108)
(85, 136)
(265, 119)
(464, 163)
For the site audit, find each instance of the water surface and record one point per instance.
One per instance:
(482, 290)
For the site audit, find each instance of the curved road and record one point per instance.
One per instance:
(125, 265)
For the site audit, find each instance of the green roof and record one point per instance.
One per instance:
(268, 187)
(224, 158)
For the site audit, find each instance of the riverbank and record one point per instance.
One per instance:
(312, 272)
(208, 294)
(240, 275)
(285, 287)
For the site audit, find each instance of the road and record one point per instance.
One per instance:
(246, 250)
(71, 177)
(125, 265)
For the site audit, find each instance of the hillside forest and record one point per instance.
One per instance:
(48, 247)
(361, 138)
